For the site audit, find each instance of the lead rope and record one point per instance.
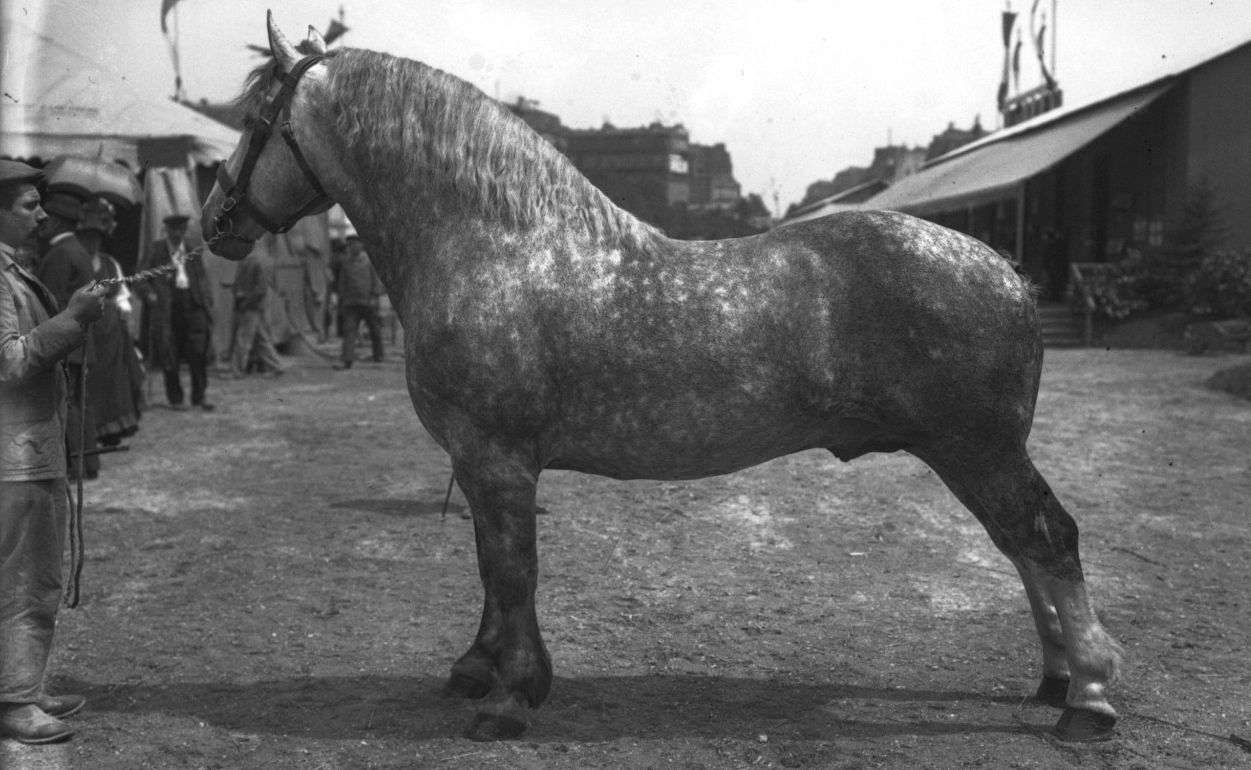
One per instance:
(448, 497)
(76, 510)
(146, 274)
(77, 549)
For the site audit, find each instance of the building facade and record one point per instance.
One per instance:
(645, 171)
(712, 180)
(1098, 182)
(654, 172)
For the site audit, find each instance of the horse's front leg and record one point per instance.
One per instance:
(507, 665)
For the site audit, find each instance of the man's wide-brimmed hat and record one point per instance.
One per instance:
(16, 171)
(176, 219)
(63, 205)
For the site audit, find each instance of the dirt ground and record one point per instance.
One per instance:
(273, 585)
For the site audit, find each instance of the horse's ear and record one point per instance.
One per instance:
(284, 53)
(315, 41)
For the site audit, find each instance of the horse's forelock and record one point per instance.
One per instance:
(260, 81)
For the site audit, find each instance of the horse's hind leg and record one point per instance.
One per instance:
(1024, 519)
(1053, 690)
(507, 665)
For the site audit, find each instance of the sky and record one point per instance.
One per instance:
(796, 89)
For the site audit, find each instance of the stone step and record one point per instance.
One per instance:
(1061, 327)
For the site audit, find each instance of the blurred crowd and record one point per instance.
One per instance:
(158, 322)
(80, 341)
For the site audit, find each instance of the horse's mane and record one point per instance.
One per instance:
(413, 125)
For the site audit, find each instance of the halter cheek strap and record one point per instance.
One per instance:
(237, 190)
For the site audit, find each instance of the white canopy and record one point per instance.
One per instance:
(58, 102)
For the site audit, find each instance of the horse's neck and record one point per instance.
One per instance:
(474, 167)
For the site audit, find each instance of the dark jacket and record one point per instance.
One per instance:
(158, 293)
(65, 268)
(252, 280)
(33, 387)
(358, 283)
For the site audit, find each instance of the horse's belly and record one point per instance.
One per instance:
(680, 438)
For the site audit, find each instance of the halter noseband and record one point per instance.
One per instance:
(237, 191)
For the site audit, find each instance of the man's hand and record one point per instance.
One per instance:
(87, 304)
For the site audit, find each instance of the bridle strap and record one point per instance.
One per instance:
(237, 190)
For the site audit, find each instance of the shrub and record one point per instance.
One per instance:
(1114, 289)
(1221, 285)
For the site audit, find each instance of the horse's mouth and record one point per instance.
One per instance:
(230, 245)
(224, 240)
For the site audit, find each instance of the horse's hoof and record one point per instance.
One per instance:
(1082, 726)
(462, 686)
(1053, 691)
(492, 725)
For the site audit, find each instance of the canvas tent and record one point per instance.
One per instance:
(58, 102)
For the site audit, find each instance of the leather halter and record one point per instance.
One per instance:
(237, 191)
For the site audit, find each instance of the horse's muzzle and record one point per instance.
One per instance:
(226, 242)
(219, 231)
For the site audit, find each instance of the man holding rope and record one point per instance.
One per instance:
(34, 505)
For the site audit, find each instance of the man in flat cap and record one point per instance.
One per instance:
(180, 314)
(34, 506)
(65, 268)
(360, 295)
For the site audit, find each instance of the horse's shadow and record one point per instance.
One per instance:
(402, 508)
(406, 508)
(589, 709)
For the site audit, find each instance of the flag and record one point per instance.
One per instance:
(166, 7)
(1038, 25)
(1009, 21)
(1016, 62)
(334, 31)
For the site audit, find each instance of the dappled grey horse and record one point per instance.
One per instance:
(547, 328)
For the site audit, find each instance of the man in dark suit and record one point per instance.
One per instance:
(180, 313)
(65, 268)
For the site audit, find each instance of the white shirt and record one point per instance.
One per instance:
(178, 256)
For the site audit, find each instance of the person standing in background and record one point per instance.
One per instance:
(360, 294)
(114, 384)
(64, 268)
(180, 314)
(251, 292)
